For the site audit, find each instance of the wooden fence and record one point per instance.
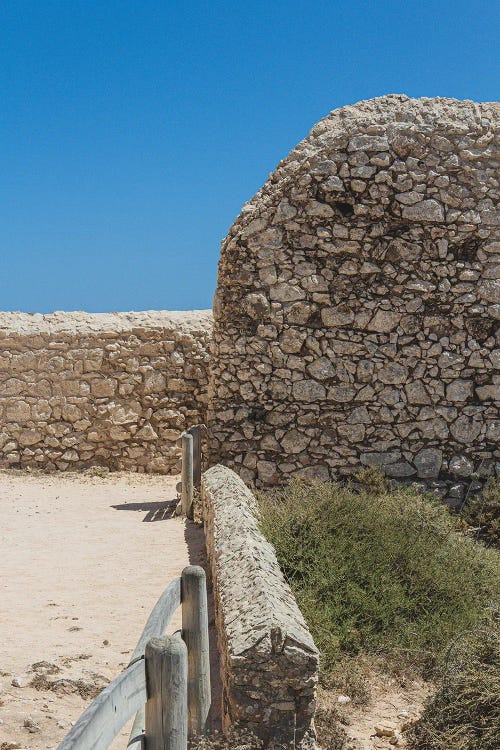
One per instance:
(190, 442)
(167, 681)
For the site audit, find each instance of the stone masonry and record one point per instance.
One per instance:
(356, 315)
(269, 663)
(79, 390)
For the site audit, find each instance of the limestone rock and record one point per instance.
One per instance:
(428, 210)
(459, 390)
(384, 321)
(461, 466)
(308, 390)
(256, 305)
(465, 429)
(428, 462)
(295, 441)
(321, 369)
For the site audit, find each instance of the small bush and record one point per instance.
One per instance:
(482, 514)
(330, 733)
(464, 714)
(377, 570)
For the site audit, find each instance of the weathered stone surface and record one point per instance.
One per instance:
(380, 459)
(308, 390)
(459, 390)
(466, 429)
(321, 369)
(256, 305)
(384, 321)
(400, 469)
(295, 441)
(428, 463)
(18, 411)
(269, 663)
(461, 466)
(429, 210)
(341, 393)
(79, 390)
(393, 373)
(416, 393)
(374, 247)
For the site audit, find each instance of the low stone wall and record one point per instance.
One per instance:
(269, 663)
(79, 390)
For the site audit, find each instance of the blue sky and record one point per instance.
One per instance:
(131, 133)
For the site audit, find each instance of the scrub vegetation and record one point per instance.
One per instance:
(389, 574)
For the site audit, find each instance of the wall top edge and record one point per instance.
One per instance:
(27, 324)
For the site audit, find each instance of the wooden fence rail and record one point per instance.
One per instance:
(166, 684)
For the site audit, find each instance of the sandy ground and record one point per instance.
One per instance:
(393, 707)
(84, 559)
(395, 703)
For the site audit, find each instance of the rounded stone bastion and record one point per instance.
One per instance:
(358, 300)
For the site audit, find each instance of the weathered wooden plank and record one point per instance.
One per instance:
(160, 616)
(102, 720)
(166, 707)
(195, 635)
(136, 740)
(158, 620)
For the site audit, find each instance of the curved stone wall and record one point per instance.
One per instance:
(358, 300)
(79, 390)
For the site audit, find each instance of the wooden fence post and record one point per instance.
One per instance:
(196, 433)
(187, 475)
(166, 706)
(195, 635)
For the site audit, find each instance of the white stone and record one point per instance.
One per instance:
(461, 466)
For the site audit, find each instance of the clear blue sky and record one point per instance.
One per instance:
(132, 132)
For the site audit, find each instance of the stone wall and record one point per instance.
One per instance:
(79, 390)
(358, 297)
(269, 663)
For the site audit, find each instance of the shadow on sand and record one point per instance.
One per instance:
(195, 542)
(155, 511)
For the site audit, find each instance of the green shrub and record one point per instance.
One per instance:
(377, 571)
(464, 713)
(482, 514)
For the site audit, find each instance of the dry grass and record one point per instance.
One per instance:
(464, 713)
(481, 514)
(329, 722)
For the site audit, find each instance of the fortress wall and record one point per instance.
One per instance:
(358, 300)
(79, 390)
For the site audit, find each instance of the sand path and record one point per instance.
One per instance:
(84, 559)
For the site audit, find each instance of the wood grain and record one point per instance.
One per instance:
(166, 707)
